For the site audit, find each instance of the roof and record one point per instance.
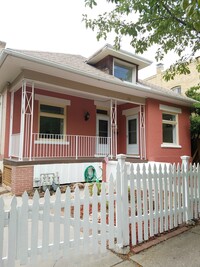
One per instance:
(60, 63)
(120, 54)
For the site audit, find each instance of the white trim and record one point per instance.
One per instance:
(170, 109)
(103, 104)
(125, 64)
(51, 142)
(131, 111)
(169, 145)
(54, 100)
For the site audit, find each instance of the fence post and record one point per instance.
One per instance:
(124, 248)
(185, 164)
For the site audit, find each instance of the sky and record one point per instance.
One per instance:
(56, 26)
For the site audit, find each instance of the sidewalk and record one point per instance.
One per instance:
(180, 251)
(108, 259)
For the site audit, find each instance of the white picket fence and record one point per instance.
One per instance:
(137, 206)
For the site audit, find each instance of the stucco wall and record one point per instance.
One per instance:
(154, 134)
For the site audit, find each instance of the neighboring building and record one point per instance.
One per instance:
(59, 111)
(180, 84)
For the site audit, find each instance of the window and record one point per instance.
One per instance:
(51, 120)
(124, 71)
(176, 89)
(170, 128)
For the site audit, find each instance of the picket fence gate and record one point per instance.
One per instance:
(140, 203)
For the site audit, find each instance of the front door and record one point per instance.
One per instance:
(132, 135)
(103, 133)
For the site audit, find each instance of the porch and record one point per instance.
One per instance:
(46, 127)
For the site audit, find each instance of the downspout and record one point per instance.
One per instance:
(1, 112)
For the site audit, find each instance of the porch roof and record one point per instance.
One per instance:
(12, 62)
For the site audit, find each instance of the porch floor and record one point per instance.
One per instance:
(16, 162)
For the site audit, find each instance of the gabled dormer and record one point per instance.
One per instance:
(119, 63)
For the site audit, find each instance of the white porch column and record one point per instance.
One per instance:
(113, 127)
(31, 111)
(26, 128)
(142, 133)
(11, 124)
(21, 140)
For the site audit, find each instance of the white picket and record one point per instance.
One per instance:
(133, 210)
(77, 218)
(174, 189)
(198, 186)
(45, 225)
(151, 211)
(156, 202)
(103, 218)
(139, 205)
(86, 222)
(12, 229)
(66, 222)
(34, 228)
(191, 190)
(180, 199)
(94, 220)
(166, 182)
(23, 224)
(145, 197)
(161, 199)
(171, 210)
(57, 216)
(1, 230)
(111, 213)
(195, 192)
(118, 206)
(124, 200)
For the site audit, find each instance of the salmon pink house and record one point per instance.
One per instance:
(61, 110)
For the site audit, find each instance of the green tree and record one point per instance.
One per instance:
(171, 25)
(194, 93)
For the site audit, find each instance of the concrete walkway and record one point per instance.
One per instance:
(108, 259)
(180, 251)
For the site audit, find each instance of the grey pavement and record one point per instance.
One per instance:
(180, 251)
(107, 259)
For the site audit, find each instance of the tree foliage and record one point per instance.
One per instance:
(172, 25)
(194, 93)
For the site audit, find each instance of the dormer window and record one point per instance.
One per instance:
(124, 71)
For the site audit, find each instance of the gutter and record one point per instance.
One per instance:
(136, 87)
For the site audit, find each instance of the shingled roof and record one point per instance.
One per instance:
(79, 63)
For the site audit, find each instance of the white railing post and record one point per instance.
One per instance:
(11, 126)
(76, 146)
(124, 246)
(185, 164)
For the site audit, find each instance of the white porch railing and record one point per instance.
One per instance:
(61, 146)
(15, 145)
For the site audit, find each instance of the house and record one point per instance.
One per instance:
(181, 83)
(62, 113)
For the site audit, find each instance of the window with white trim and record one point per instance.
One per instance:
(51, 121)
(124, 71)
(170, 128)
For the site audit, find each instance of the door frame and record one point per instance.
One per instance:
(136, 152)
(106, 118)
